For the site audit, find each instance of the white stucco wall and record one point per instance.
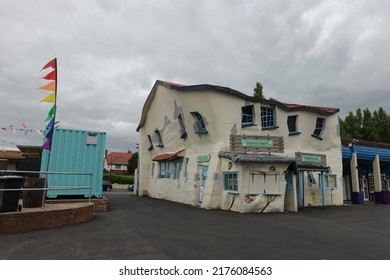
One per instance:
(222, 115)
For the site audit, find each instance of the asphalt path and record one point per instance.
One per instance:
(150, 229)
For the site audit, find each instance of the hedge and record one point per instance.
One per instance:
(119, 179)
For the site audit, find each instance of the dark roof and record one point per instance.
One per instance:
(202, 87)
(180, 87)
(296, 107)
(31, 151)
(345, 142)
(255, 158)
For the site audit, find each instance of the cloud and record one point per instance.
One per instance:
(327, 53)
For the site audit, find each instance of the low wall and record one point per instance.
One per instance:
(51, 216)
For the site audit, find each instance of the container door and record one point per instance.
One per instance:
(203, 182)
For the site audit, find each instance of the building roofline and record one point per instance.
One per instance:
(299, 107)
(201, 87)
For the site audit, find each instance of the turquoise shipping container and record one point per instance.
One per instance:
(80, 155)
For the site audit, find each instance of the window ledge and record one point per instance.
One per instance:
(269, 128)
(317, 137)
(232, 192)
(160, 145)
(183, 135)
(269, 194)
(294, 133)
(201, 132)
(243, 125)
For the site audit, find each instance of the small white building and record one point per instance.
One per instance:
(218, 148)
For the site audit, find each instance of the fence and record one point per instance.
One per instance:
(46, 188)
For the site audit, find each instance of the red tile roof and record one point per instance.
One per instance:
(119, 158)
(166, 156)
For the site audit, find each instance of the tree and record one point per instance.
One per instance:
(369, 131)
(382, 122)
(132, 164)
(258, 91)
(351, 127)
(366, 126)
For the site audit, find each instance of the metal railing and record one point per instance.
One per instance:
(46, 187)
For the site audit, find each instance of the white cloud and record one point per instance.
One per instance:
(330, 53)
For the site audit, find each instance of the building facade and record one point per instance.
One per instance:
(218, 148)
(117, 162)
(366, 171)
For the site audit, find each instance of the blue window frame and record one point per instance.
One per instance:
(268, 118)
(330, 181)
(177, 168)
(319, 129)
(186, 166)
(183, 133)
(292, 124)
(200, 125)
(247, 116)
(229, 181)
(164, 169)
(152, 170)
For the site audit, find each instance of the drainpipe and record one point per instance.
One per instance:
(322, 187)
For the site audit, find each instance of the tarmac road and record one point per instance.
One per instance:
(145, 228)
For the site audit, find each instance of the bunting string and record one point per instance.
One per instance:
(24, 130)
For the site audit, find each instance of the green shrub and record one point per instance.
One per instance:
(119, 179)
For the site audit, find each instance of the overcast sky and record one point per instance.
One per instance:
(110, 53)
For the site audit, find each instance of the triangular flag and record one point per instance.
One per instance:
(39, 131)
(51, 76)
(50, 86)
(52, 63)
(47, 145)
(50, 124)
(51, 113)
(49, 133)
(24, 125)
(4, 129)
(26, 131)
(51, 98)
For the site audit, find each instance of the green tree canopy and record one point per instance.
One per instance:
(366, 125)
(133, 164)
(258, 91)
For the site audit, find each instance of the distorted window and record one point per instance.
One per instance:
(177, 168)
(319, 129)
(229, 181)
(150, 142)
(292, 124)
(182, 131)
(201, 126)
(186, 166)
(152, 170)
(247, 116)
(268, 118)
(159, 139)
(164, 169)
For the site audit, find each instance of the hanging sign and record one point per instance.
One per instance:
(257, 143)
(203, 158)
(310, 159)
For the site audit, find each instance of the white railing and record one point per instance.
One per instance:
(46, 187)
